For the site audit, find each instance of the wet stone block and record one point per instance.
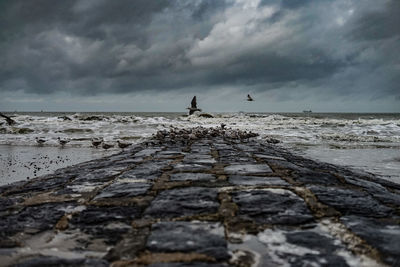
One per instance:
(186, 264)
(237, 160)
(198, 237)
(302, 248)
(272, 206)
(32, 219)
(191, 167)
(99, 215)
(248, 148)
(183, 202)
(192, 177)
(382, 235)
(106, 223)
(233, 153)
(168, 154)
(118, 190)
(247, 169)
(256, 180)
(376, 190)
(350, 202)
(310, 177)
(78, 188)
(147, 152)
(148, 171)
(55, 261)
(264, 156)
(101, 175)
(8, 202)
(199, 159)
(46, 184)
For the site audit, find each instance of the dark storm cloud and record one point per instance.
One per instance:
(97, 46)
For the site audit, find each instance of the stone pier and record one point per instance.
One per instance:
(208, 202)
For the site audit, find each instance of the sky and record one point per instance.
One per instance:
(155, 55)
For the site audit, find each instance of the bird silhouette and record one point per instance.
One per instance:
(249, 98)
(107, 146)
(193, 106)
(122, 145)
(96, 142)
(62, 142)
(40, 141)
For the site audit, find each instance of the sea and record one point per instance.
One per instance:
(365, 142)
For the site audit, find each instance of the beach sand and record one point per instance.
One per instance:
(19, 163)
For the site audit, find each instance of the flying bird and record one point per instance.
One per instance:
(8, 119)
(193, 107)
(249, 98)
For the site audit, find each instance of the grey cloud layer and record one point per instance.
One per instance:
(96, 46)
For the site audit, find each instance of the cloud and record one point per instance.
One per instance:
(86, 47)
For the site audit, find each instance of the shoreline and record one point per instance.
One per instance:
(21, 163)
(202, 196)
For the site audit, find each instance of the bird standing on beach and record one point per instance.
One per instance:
(122, 145)
(107, 146)
(193, 106)
(62, 142)
(40, 141)
(249, 98)
(96, 142)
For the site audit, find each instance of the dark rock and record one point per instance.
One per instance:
(118, 190)
(312, 240)
(256, 180)
(237, 160)
(94, 215)
(100, 175)
(272, 206)
(199, 237)
(6, 203)
(106, 223)
(206, 115)
(187, 264)
(326, 260)
(65, 118)
(149, 170)
(312, 177)
(32, 219)
(383, 235)
(350, 202)
(191, 167)
(271, 140)
(192, 177)
(147, 152)
(264, 156)
(47, 261)
(302, 248)
(247, 169)
(183, 202)
(376, 190)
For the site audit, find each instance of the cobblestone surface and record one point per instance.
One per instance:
(205, 202)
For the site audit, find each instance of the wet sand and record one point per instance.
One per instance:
(19, 163)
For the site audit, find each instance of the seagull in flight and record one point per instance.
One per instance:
(249, 98)
(193, 107)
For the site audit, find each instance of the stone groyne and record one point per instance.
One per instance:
(210, 199)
